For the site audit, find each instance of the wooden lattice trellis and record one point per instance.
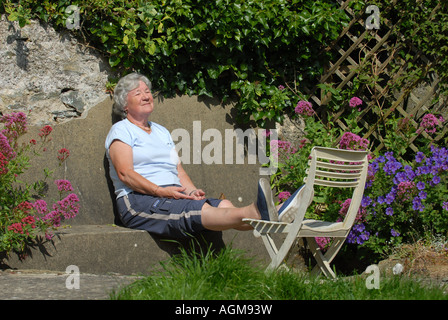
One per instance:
(359, 48)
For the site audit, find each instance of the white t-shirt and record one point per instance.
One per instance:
(154, 155)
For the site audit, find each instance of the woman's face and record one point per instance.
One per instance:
(140, 101)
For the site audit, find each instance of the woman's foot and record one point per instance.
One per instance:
(289, 208)
(265, 201)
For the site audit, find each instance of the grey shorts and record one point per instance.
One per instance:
(170, 218)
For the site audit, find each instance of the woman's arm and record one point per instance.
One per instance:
(121, 156)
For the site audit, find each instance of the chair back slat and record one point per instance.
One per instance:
(336, 166)
(335, 184)
(352, 175)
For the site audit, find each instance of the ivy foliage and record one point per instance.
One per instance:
(245, 49)
(200, 47)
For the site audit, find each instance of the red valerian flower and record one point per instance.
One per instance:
(63, 154)
(45, 131)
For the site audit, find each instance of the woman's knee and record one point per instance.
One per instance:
(226, 204)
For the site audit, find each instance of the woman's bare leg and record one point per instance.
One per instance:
(226, 216)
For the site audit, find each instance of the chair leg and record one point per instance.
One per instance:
(324, 260)
(270, 245)
(283, 252)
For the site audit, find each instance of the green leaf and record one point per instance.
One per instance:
(258, 115)
(151, 47)
(114, 60)
(213, 73)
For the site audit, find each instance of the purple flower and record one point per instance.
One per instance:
(389, 211)
(358, 234)
(422, 195)
(366, 201)
(394, 233)
(419, 157)
(445, 205)
(420, 185)
(436, 180)
(381, 159)
(391, 166)
(5, 147)
(400, 177)
(417, 204)
(409, 172)
(41, 207)
(390, 197)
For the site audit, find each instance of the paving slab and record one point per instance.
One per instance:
(52, 285)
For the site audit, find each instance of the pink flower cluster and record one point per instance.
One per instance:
(3, 164)
(344, 209)
(284, 195)
(323, 242)
(5, 148)
(354, 102)
(15, 124)
(406, 190)
(63, 185)
(282, 146)
(351, 141)
(66, 208)
(430, 123)
(304, 108)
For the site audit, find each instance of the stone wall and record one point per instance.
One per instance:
(47, 74)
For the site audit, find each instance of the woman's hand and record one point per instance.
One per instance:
(173, 192)
(198, 194)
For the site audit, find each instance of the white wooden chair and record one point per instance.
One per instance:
(328, 167)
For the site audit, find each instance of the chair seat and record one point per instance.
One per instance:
(313, 228)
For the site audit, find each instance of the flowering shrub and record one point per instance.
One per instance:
(404, 201)
(24, 215)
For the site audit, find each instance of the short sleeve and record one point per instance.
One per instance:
(118, 132)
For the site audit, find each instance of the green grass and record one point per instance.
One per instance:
(231, 276)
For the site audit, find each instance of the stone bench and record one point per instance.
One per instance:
(102, 249)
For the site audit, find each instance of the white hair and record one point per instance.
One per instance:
(122, 89)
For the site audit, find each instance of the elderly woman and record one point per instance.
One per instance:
(154, 193)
